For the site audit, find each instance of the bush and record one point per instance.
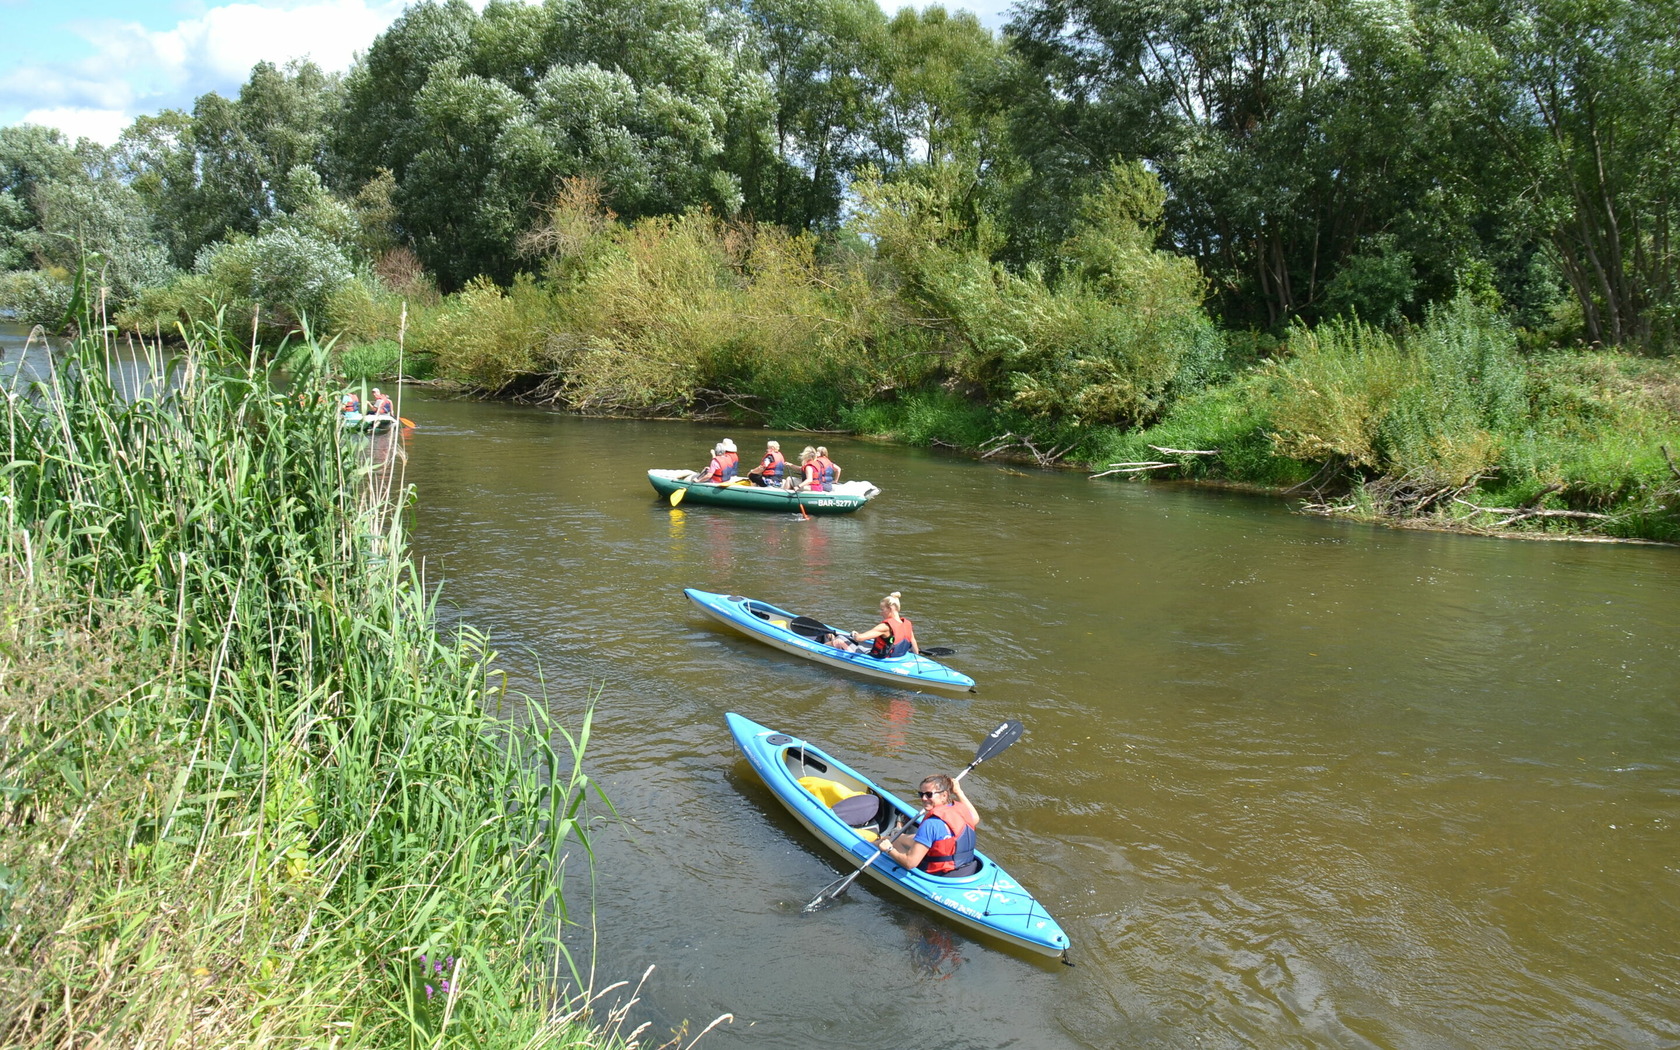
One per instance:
(36, 297)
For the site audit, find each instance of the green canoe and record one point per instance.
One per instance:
(846, 497)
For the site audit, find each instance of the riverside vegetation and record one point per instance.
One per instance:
(1411, 263)
(250, 796)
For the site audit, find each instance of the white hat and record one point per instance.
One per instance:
(728, 445)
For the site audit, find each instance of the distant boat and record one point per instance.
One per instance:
(846, 497)
(372, 421)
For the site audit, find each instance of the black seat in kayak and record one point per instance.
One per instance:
(862, 810)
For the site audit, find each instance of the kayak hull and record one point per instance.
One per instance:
(361, 421)
(847, 496)
(988, 902)
(775, 627)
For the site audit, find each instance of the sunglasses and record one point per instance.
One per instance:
(927, 794)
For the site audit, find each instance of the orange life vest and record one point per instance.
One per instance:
(897, 643)
(949, 854)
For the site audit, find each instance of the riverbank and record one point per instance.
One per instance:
(245, 780)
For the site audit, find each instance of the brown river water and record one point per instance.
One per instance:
(1286, 782)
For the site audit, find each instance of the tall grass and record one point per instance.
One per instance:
(250, 797)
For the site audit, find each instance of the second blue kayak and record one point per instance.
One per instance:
(801, 636)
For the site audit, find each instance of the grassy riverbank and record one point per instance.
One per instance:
(250, 796)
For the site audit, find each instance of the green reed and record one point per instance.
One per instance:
(248, 795)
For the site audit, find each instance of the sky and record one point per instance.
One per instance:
(89, 67)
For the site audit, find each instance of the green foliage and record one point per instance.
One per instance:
(1435, 401)
(36, 297)
(245, 777)
(490, 337)
(1108, 343)
(1376, 284)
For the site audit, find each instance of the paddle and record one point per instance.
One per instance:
(677, 496)
(996, 741)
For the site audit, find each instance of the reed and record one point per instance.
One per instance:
(250, 796)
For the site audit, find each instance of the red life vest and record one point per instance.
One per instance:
(714, 469)
(771, 468)
(352, 403)
(896, 643)
(383, 406)
(825, 472)
(949, 854)
(813, 475)
(731, 465)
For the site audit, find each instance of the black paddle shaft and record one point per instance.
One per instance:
(996, 741)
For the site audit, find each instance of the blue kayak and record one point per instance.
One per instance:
(803, 636)
(848, 812)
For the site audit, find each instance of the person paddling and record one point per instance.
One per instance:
(894, 635)
(714, 469)
(944, 842)
(382, 405)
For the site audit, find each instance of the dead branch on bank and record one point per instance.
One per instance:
(1410, 495)
(1005, 442)
(1317, 482)
(1141, 466)
(1132, 468)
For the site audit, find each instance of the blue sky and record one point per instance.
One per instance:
(89, 67)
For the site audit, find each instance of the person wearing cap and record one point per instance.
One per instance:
(382, 405)
(770, 469)
(732, 459)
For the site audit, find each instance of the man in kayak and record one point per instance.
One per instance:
(351, 403)
(944, 840)
(382, 405)
(893, 636)
(769, 471)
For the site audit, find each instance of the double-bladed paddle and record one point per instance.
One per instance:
(996, 741)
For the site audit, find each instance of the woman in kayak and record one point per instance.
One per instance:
(893, 636)
(769, 471)
(809, 478)
(722, 466)
(944, 840)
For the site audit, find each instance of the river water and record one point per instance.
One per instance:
(1285, 781)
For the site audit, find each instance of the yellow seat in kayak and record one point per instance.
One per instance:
(778, 623)
(828, 792)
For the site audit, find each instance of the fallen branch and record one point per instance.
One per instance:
(1185, 451)
(1130, 468)
(1523, 513)
(1005, 442)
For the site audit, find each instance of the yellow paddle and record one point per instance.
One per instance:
(677, 496)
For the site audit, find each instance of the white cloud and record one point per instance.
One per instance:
(100, 125)
(135, 70)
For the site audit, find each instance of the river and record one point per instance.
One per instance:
(1286, 781)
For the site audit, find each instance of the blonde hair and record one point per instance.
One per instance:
(822, 450)
(809, 453)
(892, 600)
(777, 445)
